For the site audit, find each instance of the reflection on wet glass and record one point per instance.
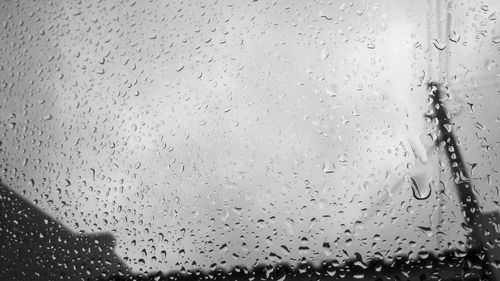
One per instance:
(249, 139)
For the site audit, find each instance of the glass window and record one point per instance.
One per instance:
(294, 138)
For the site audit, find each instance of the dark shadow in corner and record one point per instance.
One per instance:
(34, 246)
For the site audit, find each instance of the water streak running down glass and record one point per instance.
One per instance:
(208, 135)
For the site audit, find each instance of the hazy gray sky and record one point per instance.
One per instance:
(232, 132)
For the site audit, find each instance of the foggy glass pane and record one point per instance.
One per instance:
(184, 136)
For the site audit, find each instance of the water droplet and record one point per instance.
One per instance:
(489, 64)
(332, 90)
(439, 45)
(328, 167)
(327, 249)
(421, 191)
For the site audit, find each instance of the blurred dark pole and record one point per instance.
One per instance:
(483, 227)
(446, 137)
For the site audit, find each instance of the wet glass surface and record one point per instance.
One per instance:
(207, 136)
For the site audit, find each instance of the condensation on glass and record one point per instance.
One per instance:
(237, 133)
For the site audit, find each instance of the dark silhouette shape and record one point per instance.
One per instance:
(446, 137)
(450, 265)
(33, 246)
(484, 227)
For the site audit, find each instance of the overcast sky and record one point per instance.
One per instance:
(236, 133)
